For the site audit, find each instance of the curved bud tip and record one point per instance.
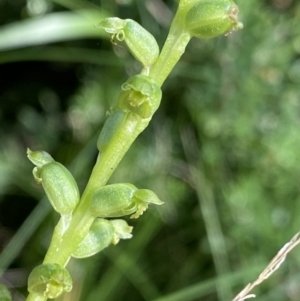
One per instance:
(144, 197)
(4, 293)
(112, 25)
(147, 196)
(39, 158)
(207, 19)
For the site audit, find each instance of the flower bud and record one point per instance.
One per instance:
(113, 200)
(140, 95)
(140, 42)
(210, 18)
(5, 294)
(58, 183)
(101, 234)
(49, 280)
(121, 199)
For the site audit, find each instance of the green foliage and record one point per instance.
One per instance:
(221, 152)
(5, 295)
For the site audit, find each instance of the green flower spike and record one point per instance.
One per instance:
(5, 294)
(49, 280)
(140, 42)
(58, 183)
(101, 234)
(207, 19)
(121, 199)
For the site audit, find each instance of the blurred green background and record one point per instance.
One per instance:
(222, 151)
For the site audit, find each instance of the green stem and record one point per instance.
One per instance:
(35, 297)
(115, 151)
(173, 49)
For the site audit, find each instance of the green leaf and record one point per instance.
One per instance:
(51, 28)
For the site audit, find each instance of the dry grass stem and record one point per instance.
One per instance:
(274, 264)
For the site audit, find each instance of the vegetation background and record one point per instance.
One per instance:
(222, 151)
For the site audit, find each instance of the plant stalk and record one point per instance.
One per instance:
(63, 244)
